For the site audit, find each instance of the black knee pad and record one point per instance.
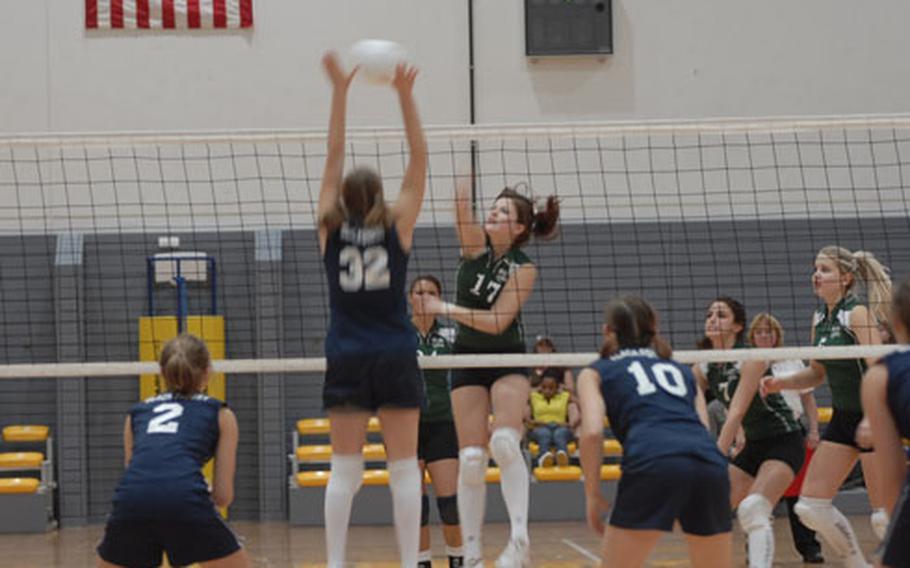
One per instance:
(448, 509)
(424, 510)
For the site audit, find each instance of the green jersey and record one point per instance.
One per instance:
(480, 281)
(438, 341)
(844, 375)
(765, 418)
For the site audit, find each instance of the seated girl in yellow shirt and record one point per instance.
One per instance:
(549, 422)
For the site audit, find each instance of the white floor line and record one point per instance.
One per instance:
(582, 550)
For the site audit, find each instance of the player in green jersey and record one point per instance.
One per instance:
(843, 320)
(437, 443)
(773, 453)
(494, 279)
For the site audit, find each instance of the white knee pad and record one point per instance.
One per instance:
(754, 512)
(505, 445)
(814, 512)
(472, 465)
(880, 520)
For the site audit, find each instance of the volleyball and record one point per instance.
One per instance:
(377, 59)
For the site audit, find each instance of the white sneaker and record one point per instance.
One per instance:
(517, 554)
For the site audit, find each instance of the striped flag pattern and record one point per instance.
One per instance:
(168, 14)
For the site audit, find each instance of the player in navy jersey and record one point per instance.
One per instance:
(886, 402)
(162, 503)
(371, 347)
(671, 467)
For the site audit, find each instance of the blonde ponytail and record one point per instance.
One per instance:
(877, 280)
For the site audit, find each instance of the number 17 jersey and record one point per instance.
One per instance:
(366, 269)
(651, 406)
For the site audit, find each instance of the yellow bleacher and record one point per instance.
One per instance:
(320, 453)
(27, 461)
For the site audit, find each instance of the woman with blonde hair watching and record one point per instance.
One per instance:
(843, 320)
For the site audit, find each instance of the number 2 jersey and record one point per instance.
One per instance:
(366, 269)
(651, 406)
(173, 437)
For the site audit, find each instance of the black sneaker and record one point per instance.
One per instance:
(456, 561)
(424, 564)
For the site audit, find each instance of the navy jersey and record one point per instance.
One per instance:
(173, 437)
(898, 365)
(651, 406)
(367, 268)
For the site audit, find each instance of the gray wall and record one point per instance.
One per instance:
(678, 267)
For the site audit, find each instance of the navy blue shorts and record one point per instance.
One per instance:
(842, 429)
(683, 488)
(373, 381)
(139, 544)
(789, 448)
(896, 546)
(484, 376)
(437, 441)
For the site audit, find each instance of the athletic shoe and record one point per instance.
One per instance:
(562, 458)
(545, 460)
(517, 554)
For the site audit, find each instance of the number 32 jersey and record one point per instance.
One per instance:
(651, 406)
(366, 269)
(173, 437)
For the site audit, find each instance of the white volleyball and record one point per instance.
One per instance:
(377, 59)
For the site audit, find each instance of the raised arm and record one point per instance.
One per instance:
(225, 458)
(889, 450)
(749, 376)
(470, 234)
(590, 443)
(500, 316)
(334, 159)
(414, 183)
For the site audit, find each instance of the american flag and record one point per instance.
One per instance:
(168, 14)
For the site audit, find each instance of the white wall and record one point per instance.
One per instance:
(673, 58)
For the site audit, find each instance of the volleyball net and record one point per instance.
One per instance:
(99, 231)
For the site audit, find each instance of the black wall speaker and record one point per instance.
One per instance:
(568, 27)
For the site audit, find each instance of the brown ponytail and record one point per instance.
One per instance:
(540, 221)
(634, 323)
(184, 362)
(361, 201)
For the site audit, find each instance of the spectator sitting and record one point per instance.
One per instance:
(549, 424)
(544, 344)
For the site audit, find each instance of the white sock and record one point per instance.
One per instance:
(425, 556)
(513, 479)
(405, 483)
(455, 551)
(761, 547)
(472, 500)
(822, 517)
(344, 482)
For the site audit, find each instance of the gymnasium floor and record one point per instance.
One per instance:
(275, 545)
